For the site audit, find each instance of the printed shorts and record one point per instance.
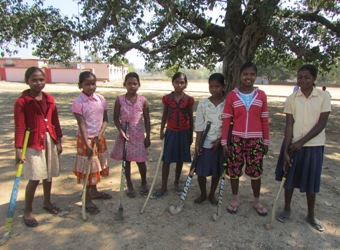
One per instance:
(251, 151)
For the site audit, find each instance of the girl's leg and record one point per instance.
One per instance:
(202, 181)
(128, 176)
(286, 210)
(47, 186)
(29, 196)
(256, 186)
(310, 216)
(179, 166)
(142, 171)
(214, 184)
(233, 206)
(89, 205)
(165, 176)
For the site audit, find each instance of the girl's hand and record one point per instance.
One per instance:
(295, 147)
(287, 162)
(89, 151)
(147, 142)
(215, 144)
(225, 150)
(265, 149)
(161, 135)
(18, 158)
(59, 148)
(124, 136)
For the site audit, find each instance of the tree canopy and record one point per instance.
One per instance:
(182, 33)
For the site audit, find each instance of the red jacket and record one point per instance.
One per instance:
(28, 114)
(252, 123)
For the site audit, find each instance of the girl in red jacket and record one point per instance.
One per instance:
(37, 110)
(247, 107)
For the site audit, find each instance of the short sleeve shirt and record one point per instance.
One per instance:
(92, 109)
(306, 113)
(207, 111)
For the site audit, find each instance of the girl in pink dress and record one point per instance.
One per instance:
(132, 108)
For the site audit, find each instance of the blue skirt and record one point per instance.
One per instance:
(177, 146)
(305, 172)
(210, 163)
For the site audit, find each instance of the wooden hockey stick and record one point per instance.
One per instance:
(120, 216)
(178, 208)
(155, 177)
(83, 197)
(14, 195)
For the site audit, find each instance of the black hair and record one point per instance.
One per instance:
(31, 70)
(218, 77)
(131, 75)
(178, 74)
(311, 68)
(84, 75)
(247, 65)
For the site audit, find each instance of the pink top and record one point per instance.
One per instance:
(92, 109)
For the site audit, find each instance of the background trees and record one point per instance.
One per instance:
(178, 33)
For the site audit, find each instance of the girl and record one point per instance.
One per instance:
(247, 107)
(37, 110)
(178, 115)
(307, 112)
(90, 111)
(210, 162)
(132, 108)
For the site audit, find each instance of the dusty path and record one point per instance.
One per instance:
(156, 228)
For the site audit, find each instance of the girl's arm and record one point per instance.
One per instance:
(288, 140)
(146, 115)
(164, 120)
(197, 141)
(20, 128)
(83, 133)
(56, 123)
(116, 120)
(102, 129)
(319, 126)
(191, 117)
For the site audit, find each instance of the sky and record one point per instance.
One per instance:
(69, 8)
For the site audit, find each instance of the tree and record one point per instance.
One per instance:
(190, 33)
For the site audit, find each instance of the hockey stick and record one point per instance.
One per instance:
(270, 224)
(120, 215)
(13, 200)
(83, 197)
(220, 193)
(154, 178)
(178, 208)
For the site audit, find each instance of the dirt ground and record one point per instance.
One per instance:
(156, 228)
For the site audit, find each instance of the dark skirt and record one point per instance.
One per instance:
(177, 146)
(210, 163)
(305, 172)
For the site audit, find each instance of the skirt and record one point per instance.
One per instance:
(177, 146)
(99, 165)
(210, 163)
(42, 164)
(305, 172)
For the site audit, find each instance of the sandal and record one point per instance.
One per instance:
(144, 191)
(30, 222)
(102, 195)
(213, 200)
(177, 189)
(158, 194)
(260, 209)
(200, 199)
(232, 208)
(316, 224)
(283, 217)
(92, 210)
(131, 193)
(53, 210)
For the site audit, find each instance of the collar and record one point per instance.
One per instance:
(28, 98)
(314, 92)
(86, 98)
